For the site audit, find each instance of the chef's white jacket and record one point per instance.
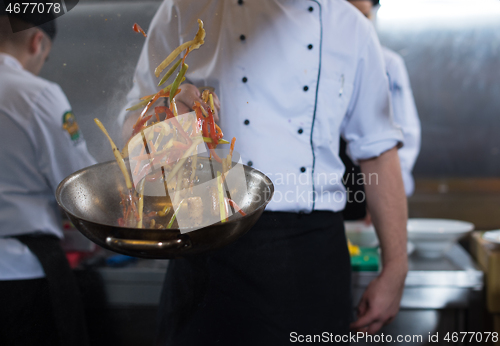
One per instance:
(292, 77)
(405, 115)
(40, 145)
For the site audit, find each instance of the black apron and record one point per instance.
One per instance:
(63, 290)
(289, 273)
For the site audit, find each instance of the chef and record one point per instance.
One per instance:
(405, 115)
(292, 76)
(40, 144)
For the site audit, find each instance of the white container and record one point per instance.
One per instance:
(361, 234)
(433, 237)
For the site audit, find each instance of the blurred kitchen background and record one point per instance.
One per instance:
(452, 51)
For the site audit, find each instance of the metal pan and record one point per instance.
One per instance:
(91, 200)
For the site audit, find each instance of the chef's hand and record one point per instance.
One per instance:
(380, 301)
(187, 97)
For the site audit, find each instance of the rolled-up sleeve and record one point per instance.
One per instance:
(405, 115)
(368, 127)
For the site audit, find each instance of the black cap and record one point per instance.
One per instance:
(44, 20)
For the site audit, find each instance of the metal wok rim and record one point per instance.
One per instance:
(185, 230)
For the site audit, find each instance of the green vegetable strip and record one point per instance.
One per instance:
(178, 186)
(145, 101)
(193, 165)
(118, 155)
(221, 198)
(175, 215)
(141, 203)
(193, 44)
(179, 164)
(170, 72)
(140, 104)
(177, 81)
(209, 140)
(159, 139)
(164, 211)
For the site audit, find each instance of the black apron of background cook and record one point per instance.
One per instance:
(355, 208)
(289, 273)
(63, 290)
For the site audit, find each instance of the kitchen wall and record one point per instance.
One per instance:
(452, 51)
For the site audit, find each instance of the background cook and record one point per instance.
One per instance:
(405, 115)
(40, 144)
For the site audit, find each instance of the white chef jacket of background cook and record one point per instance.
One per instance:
(314, 67)
(405, 115)
(36, 153)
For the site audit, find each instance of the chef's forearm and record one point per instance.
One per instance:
(388, 206)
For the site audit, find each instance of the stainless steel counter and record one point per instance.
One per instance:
(430, 284)
(433, 283)
(441, 295)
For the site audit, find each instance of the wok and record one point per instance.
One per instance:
(91, 199)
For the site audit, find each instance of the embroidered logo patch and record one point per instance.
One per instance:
(70, 125)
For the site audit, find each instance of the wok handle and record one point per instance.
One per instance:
(145, 245)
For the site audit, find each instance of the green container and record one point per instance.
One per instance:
(367, 261)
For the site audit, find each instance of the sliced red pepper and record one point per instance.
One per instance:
(163, 109)
(153, 100)
(184, 57)
(213, 134)
(169, 113)
(175, 122)
(197, 110)
(150, 103)
(157, 113)
(204, 128)
(232, 146)
(140, 124)
(137, 28)
(199, 114)
(236, 206)
(219, 132)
